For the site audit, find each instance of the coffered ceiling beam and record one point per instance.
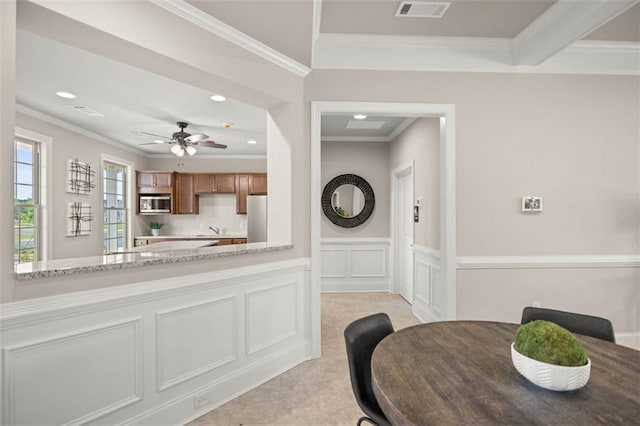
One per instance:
(562, 24)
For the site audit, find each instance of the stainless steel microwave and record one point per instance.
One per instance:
(155, 204)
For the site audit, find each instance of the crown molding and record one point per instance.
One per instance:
(197, 17)
(75, 129)
(406, 123)
(565, 22)
(467, 54)
(315, 26)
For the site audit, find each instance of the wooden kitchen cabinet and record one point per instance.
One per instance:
(239, 241)
(258, 184)
(203, 183)
(186, 200)
(218, 183)
(225, 183)
(154, 179)
(242, 190)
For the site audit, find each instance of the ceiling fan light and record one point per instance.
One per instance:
(191, 150)
(176, 149)
(181, 152)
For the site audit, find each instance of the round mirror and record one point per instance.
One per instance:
(348, 200)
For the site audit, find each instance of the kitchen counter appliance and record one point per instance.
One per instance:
(155, 204)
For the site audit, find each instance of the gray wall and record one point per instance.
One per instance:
(370, 160)
(69, 145)
(571, 139)
(420, 142)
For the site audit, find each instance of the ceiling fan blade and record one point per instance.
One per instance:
(198, 137)
(211, 144)
(152, 134)
(153, 143)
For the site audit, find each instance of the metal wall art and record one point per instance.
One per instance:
(80, 177)
(79, 219)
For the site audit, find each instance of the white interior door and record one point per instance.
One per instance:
(405, 237)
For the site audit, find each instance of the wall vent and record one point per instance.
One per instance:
(422, 9)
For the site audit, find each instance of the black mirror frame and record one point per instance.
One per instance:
(369, 200)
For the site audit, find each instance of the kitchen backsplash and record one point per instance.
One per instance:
(217, 210)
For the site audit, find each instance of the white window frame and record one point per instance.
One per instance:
(44, 248)
(130, 190)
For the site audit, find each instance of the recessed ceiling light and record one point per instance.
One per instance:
(218, 98)
(66, 95)
(252, 142)
(359, 116)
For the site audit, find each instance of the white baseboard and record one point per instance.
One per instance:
(180, 410)
(351, 287)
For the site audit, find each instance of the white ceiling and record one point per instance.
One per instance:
(301, 35)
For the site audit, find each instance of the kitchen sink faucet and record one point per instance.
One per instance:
(216, 230)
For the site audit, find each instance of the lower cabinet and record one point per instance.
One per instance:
(137, 242)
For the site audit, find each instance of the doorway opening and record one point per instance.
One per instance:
(446, 115)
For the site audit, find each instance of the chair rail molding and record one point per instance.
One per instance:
(548, 262)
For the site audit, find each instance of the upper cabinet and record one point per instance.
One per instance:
(186, 200)
(219, 183)
(154, 181)
(258, 184)
(185, 188)
(225, 183)
(242, 190)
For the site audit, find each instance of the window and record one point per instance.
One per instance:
(26, 201)
(115, 214)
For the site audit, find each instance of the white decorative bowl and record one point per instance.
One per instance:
(549, 376)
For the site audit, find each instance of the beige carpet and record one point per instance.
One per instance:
(316, 392)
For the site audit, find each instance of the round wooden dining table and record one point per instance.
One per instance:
(460, 372)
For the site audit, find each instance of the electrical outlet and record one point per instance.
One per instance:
(201, 400)
(536, 304)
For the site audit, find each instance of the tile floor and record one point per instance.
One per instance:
(316, 392)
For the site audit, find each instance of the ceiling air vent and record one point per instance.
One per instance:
(422, 9)
(88, 111)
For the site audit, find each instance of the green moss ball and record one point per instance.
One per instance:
(548, 342)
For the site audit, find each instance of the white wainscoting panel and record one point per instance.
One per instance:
(207, 332)
(334, 263)
(160, 352)
(368, 263)
(355, 264)
(272, 315)
(430, 294)
(75, 377)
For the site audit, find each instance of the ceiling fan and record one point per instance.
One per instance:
(182, 141)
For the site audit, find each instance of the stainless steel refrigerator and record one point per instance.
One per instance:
(256, 218)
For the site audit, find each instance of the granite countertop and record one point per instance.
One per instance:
(60, 267)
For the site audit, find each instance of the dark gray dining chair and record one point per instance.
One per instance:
(587, 325)
(362, 336)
